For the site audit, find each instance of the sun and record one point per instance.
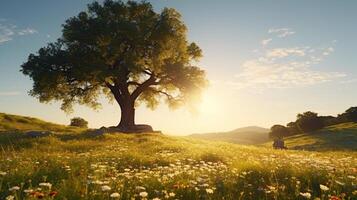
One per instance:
(209, 104)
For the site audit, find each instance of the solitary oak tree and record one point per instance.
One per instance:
(124, 50)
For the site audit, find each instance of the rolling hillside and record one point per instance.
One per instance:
(21, 123)
(247, 135)
(337, 137)
(78, 165)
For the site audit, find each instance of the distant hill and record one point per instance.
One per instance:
(21, 123)
(251, 135)
(337, 137)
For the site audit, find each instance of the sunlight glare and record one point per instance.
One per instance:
(209, 104)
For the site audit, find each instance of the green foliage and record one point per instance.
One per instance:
(278, 131)
(309, 121)
(79, 122)
(350, 115)
(293, 128)
(330, 120)
(124, 50)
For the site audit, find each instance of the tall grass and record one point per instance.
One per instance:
(149, 166)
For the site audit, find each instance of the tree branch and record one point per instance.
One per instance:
(116, 92)
(165, 93)
(133, 83)
(143, 86)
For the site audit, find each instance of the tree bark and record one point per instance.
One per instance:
(127, 119)
(126, 102)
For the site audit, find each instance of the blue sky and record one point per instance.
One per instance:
(266, 61)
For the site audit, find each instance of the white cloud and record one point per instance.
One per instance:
(262, 74)
(328, 51)
(266, 41)
(27, 31)
(9, 31)
(284, 52)
(284, 67)
(12, 93)
(349, 81)
(281, 32)
(6, 33)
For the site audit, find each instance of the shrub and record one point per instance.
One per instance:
(278, 131)
(350, 115)
(309, 121)
(293, 128)
(79, 122)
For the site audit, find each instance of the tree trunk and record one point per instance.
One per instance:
(127, 120)
(126, 102)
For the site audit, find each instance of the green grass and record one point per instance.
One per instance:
(248, 136)
(20, 123)
(77, 165)
(337, 137)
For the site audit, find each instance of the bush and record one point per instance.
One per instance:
(293, 128)
(79, 122)
(309, 121)
(278, 131)
(329, 120)
(350, 115)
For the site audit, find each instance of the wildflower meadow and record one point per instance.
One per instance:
(155, 166)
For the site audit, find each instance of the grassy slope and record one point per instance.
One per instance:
(248, 135)
(78, 165)
(20, 123)
(337, 137)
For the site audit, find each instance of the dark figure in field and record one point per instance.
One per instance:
(279, 144)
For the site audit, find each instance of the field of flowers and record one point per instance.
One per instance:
(154, 166)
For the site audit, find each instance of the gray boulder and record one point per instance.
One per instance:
(138, 128)
(143, 128)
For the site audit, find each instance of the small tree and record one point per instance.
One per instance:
(349, 115)
(278, 131)
(79, 122)
(124, 50)
(293, 128)
(329, 120)
(309, 121)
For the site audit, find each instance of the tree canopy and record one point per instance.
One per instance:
(350, 115)
(124, 50)
(309, 121)
(79, 122)
(278, 131)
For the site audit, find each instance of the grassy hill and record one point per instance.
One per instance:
(78, 165)
(20, 123)
(337, 137)
(247, 135)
